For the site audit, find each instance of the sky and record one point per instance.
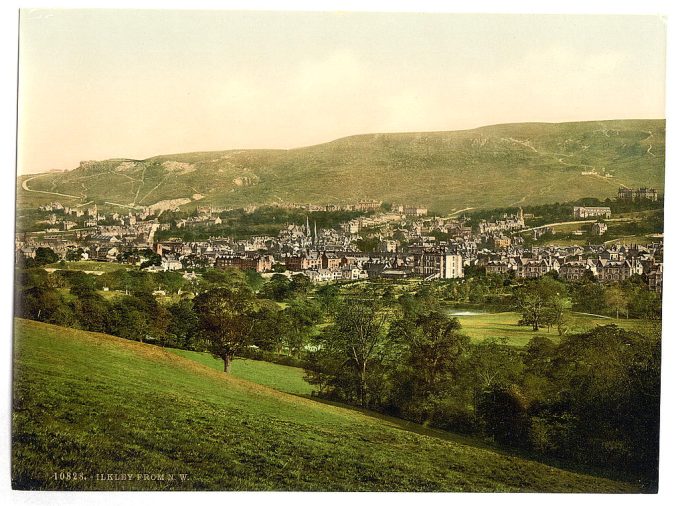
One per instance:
(97, 84)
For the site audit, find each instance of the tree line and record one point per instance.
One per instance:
(630, 298)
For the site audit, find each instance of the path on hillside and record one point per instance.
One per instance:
(574, 222)
(461, 211)
(24, 186)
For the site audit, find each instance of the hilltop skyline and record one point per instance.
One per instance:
(157, 82)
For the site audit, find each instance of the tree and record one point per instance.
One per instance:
(301, 316)
(300, 284)
(128, 319)
(616, 299)
(93, 312)
(225, 320)
(609, 381)
(74, 254)
(643, 303)
(434, 345)
(277, 288)
(588, 296)
(541, 301)
(493, 362)
(271, 325)
(504, 412)
(81, 284)
(254, 279)
(352, 347)
(184, 323)
(153, 259)
(533, 308)
(428, 372)
(329, 297)
(44, 304)
(44, 256)
(558, 308)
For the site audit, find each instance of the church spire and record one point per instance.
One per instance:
(315, 232)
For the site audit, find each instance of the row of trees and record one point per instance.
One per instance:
(545, 301)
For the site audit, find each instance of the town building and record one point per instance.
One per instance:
(415, 211)
(598, 228)
(258, 263)
(655, 278)
(439, 264)
(630, 194)
(592, 212)
(368, 205)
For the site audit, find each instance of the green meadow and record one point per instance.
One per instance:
(92, 405)
(89, 266)
(504, 326)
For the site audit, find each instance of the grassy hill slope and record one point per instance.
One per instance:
(279, 377)
(493, 166)
(91, 403)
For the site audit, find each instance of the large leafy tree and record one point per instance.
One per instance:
(184, 323)
(616, 299)
(277, 288)
(429, 373)
(352, 348)
(542, 302)
(302, 315)
(44, 256)
(434, 346)
(226, 320)
(271, 325)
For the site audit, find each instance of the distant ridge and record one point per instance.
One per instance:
(489, 166)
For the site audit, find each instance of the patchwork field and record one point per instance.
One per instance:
(92, 405)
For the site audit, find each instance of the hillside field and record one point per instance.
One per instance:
(96, 404)
(492, 166)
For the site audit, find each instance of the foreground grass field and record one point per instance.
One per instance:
(504, 325)
(96, 404)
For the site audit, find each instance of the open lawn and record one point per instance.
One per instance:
(96, 404)
(504, 325)
(89, 266)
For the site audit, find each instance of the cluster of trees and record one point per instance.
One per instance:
(592, 399)
(263, 221)
(43, 256)
(544, 302)
(250, 324)
(72, 299)
(630, 298)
